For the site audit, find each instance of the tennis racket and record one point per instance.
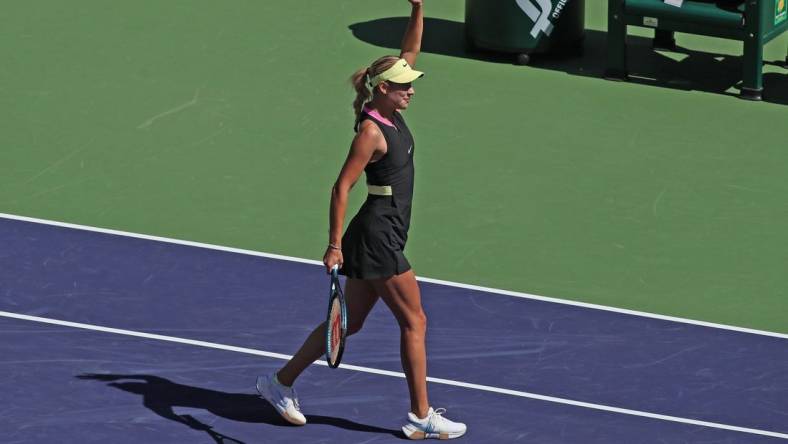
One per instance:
(336, 323)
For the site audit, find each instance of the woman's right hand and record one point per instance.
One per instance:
(331, 258)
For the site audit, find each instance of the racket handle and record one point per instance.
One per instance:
(335, 270)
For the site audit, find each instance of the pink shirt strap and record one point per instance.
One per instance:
(376, 115)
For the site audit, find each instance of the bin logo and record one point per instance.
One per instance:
(780, 12)
(541, 13)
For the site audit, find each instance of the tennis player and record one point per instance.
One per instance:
(370, 254)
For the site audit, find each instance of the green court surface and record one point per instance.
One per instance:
(227, 123)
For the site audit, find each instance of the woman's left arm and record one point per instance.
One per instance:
(411, 42)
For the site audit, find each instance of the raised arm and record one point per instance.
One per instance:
(411, 42)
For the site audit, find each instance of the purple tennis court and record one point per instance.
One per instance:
(110, 338)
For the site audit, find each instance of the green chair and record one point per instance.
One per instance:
(753, 22)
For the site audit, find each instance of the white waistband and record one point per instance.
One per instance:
(379, 190)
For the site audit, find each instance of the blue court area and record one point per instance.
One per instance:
(513, 369)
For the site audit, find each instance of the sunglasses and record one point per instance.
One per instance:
(400, 86)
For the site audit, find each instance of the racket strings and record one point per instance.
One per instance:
(336, 329)
(336, 323)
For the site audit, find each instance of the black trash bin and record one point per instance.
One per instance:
(525, 27)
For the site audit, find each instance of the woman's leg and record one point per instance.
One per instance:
(401, 294)
(360, 298)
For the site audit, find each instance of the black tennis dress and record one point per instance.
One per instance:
(374, 242)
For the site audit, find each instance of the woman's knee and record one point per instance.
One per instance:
(414, 322)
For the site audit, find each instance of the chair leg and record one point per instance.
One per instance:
(616, 42)
(664, 39)
(752, 83)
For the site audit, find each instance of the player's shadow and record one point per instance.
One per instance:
(161, 396)
(682, 69)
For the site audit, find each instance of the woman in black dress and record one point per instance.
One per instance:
(370, 254)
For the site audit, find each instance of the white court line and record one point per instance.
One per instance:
(422, 279)
(375, 371)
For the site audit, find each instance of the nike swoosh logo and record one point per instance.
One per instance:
(410, 149)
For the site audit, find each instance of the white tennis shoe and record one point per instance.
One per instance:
(433, 426)
(283, 399)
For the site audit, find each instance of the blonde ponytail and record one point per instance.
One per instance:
(360, 81)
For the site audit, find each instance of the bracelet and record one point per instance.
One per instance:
(333, 247)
